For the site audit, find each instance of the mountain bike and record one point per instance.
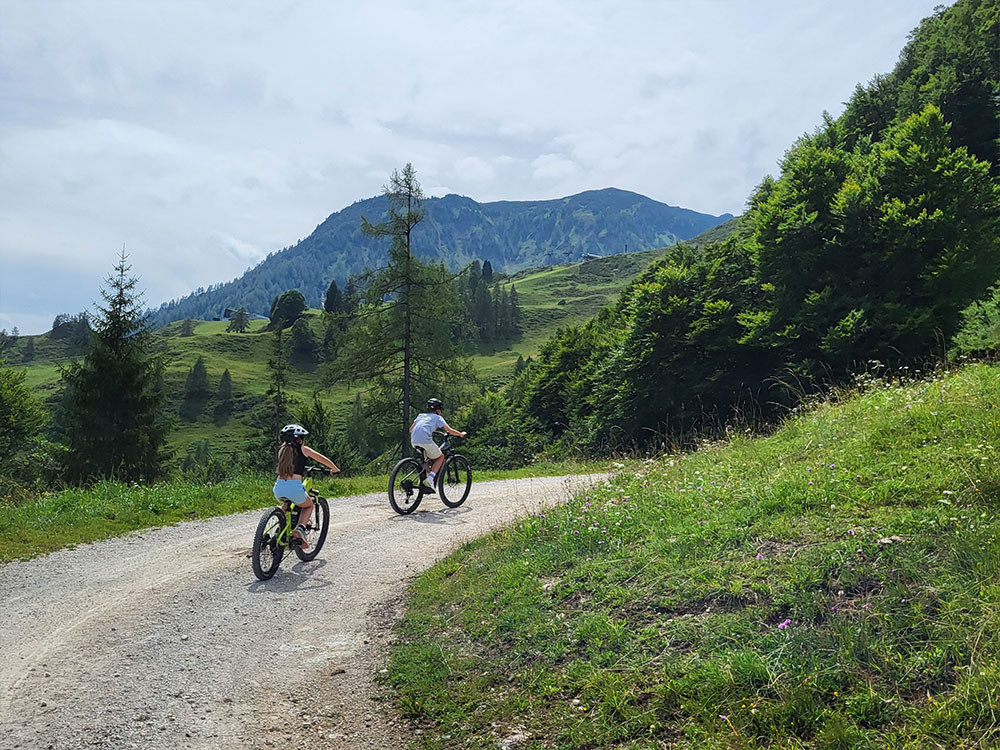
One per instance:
(406, 483)
(274, 532)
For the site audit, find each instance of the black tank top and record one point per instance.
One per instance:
(300, 460)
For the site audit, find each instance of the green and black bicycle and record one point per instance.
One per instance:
(406, 483)
(274, 532)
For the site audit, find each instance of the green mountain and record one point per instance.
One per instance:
(512, 235)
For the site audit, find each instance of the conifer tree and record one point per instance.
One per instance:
(482, 311)
(278, 366)
(225, 392)
(515, 311)
(196, 385)
(187, 327)
(114, 418)
(402, 340)
(240, 322)
(334, 301)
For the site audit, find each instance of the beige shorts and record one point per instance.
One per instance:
(431, 450)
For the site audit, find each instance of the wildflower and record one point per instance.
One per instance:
(783, 625)
(760, 556)
(726, 719)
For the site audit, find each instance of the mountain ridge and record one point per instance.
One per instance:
(512, 235)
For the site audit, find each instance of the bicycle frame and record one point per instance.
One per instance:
(284, 537)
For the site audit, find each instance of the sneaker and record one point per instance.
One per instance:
(428, 483)
(300, 534)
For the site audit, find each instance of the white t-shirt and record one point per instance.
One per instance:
(424, 425)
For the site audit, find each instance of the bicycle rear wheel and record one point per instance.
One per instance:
(455, 481)
(319, 524)
(404, 486)
(267, 552)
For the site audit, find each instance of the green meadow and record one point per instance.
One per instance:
(833, 585)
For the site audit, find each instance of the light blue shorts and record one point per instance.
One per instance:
(290, 489)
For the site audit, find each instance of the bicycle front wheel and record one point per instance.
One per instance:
(455, 481)
(404, 486)
(319, 524)
(267, 552)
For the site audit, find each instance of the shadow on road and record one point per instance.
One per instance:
(438, 516)
(299, 577)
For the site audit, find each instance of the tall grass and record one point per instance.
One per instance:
(836, 584)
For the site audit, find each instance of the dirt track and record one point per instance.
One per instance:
(165, 639)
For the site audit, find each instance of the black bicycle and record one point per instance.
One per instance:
(406, 483)
(274, 532)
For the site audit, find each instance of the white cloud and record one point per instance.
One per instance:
(553, 168)
(474, 169)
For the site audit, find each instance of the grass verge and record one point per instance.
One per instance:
(75, 516)
(834, 585)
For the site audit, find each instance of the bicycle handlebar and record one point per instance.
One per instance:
(322, 470)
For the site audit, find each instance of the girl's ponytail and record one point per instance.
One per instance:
(286, 460)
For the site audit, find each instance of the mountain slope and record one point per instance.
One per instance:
(512, 235)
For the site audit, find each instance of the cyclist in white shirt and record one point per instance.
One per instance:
(423, 428)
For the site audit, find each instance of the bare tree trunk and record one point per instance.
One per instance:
(406, 334)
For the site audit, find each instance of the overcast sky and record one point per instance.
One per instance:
(204, 135)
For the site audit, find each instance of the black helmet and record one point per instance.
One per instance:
(434, 403)
(291, 431)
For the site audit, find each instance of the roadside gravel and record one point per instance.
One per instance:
(165, 639)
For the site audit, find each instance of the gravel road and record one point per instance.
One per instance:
(165, 639)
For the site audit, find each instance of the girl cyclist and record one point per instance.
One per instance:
(292, 454)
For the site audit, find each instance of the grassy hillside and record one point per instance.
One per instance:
(550, 297)
(557, 296)
(834, 585)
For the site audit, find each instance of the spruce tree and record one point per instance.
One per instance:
(515, 311)
(114, 418)
(334, 301)
(187, 327)
(240, 322)
(196, 385)
(224, 396)
(482, 312)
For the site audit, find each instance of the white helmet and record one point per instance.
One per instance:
(290, 431)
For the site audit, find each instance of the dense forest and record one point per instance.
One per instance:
(511, 235)
(880, 229)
